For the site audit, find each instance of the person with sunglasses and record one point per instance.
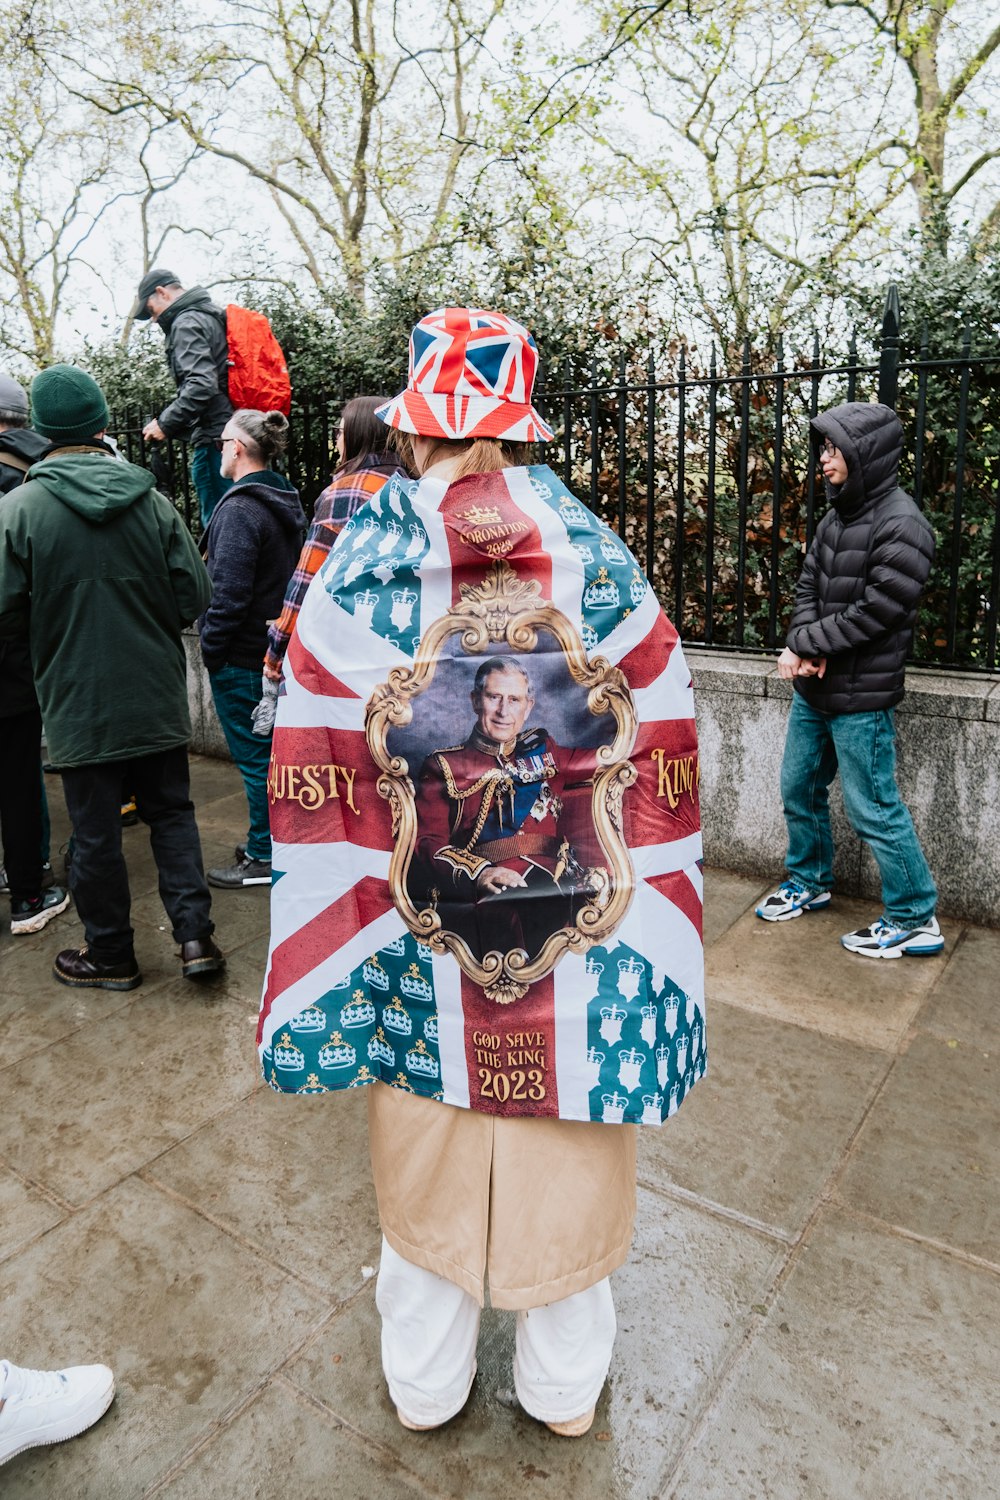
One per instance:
(251, 547)
(851, 628)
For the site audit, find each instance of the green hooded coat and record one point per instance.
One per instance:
(101, 574)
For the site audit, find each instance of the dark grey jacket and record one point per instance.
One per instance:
(251, 547)
(857, 596)
(198, 356)
(20, 447)
(18, 696)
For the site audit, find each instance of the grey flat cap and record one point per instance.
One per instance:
(13, 397)
(147, 286)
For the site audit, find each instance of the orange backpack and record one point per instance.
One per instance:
(258, 375)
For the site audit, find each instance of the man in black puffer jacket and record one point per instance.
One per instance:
(851, 627)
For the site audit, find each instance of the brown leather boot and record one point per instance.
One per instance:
(75, 966)
(200, 958)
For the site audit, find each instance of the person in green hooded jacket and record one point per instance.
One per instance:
(99, 572)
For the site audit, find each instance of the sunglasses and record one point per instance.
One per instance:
(220, 443)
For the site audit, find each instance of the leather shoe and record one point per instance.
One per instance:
(201, 958)
(75, 966)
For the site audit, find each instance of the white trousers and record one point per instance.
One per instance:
(430, 1328)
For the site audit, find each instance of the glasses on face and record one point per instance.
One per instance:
(220, 443)
(828, 450)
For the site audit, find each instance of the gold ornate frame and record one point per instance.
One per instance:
(505, 610)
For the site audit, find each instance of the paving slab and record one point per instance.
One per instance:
(928, 1156)
(286, 1445)
(291, 1177)
(683, 1299)
(873, 1378)
(211, 780)
(965, 1003)
(224, 822)
(727, 896)
(223, 1280)
(797, 971)
(244, 973)
(768, 1124)
(93, 1108)
(24, 1214)
(190, 1322)
(35, 1009)
(240, 917)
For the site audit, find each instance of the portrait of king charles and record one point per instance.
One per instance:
(505, 833)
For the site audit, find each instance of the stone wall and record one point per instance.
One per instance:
(948, 766)
(207, 737)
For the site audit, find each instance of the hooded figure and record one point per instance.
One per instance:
(485, 811)
(19, 446)
(23, 807)
(101, 573)
(851, 627)
(251, 546)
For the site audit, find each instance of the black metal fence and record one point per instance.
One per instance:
(707, 475)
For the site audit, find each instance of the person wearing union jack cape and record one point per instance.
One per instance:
(492, 929)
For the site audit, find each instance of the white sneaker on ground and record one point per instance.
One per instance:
(883, 939)
(49, 1406)
(791, 899)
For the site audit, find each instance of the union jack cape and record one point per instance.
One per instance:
(366, 978)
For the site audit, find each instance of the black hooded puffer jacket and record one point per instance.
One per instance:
(857, 596)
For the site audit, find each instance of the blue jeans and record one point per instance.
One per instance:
(236, 691)
(863, 748)
(206, 471)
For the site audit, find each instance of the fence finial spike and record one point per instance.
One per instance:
(888, 365)
(891, 313)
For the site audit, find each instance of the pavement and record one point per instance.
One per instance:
(811, 1310)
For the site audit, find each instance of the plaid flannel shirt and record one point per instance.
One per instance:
(334, 508)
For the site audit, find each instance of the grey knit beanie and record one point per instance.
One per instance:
(13, 397)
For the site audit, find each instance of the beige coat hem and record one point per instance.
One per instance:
(538, 1209)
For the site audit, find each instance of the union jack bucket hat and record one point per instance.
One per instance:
(471, 374)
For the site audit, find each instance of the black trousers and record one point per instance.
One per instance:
(98, 875)
(21, 803)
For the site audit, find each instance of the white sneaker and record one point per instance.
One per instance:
(49, 1406)
(791, 899)
(883, 939)
(32, 916)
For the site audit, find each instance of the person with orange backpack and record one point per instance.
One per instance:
(221, 359)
